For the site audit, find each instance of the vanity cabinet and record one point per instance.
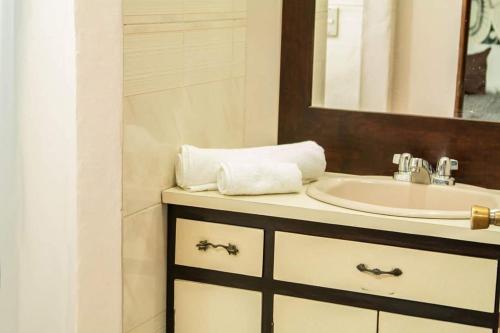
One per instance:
(213, 309)
(242, 272)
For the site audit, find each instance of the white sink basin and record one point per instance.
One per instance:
(383, 195)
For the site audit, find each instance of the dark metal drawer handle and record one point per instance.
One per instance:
(204, 245)
(376, 271)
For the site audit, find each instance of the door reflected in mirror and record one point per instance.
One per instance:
(408, 57)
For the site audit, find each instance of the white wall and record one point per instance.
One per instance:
(377, 54)
(69, 100)
(343, 60)
(320, 53)
(393, 56)
(358, 58)
(9, 175)
(47, 105)
(99, 109)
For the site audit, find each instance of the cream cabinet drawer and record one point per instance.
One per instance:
(429, 277)
(244, 256)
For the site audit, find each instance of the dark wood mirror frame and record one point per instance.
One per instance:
(363, 143)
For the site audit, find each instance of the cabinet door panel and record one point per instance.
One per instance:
(295, 315)
(214, 309)
(393, 323)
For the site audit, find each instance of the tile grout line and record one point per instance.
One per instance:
(185, 86)
(145, 321)
(142, 210)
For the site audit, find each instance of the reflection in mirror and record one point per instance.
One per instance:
(482, 64)
(403, 56)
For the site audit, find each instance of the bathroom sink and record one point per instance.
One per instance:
(383, 195)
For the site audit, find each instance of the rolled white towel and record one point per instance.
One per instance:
(236, 178)
(196, 168)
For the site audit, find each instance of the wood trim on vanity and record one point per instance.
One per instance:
(171, 231)
(267, 276)
(410, 241)
(381, 303)
(268, 286)
(364, 142)
(341, 297)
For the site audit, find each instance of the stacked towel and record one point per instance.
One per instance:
(196, 168)
(236, 178)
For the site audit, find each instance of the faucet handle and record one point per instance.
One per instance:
(403, 161)
(396, 158)
(453, 164)
(445, 166)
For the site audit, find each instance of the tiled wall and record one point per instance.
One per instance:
(184, 83)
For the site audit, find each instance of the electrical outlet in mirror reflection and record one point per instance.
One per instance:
(333, 21)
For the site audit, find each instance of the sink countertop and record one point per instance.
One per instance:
(302, 207)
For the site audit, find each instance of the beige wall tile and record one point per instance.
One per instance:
(240, 34)
(208, 6)
(151, 140)
(196, 57)
(239, 56)
(161, 11)
(197, 38)
(152, 7)
(208, 74)
(213, 114)
(240, 5)
(185, 64)
(153, 62)
(186, 25)
(154, 325)
(156, 124)
(143, 267)
(206, 62)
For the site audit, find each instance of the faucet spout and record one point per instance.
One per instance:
(420, 171)
(417, 170)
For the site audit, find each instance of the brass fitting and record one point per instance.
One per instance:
(482, 217)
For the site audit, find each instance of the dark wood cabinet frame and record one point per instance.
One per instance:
(268, 286)
(364, 142)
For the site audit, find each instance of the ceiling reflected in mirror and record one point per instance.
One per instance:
(421, 57)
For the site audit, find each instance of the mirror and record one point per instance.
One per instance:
(482, 64)
(408, 57)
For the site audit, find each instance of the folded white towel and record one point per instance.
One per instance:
(236, 178)
(196, 168)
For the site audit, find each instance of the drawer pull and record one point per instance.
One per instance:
(204, 245)
(376, 271)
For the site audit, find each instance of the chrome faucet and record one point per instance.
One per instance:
(417, 170)
(420, 171)
(403, 160)
(442, 176)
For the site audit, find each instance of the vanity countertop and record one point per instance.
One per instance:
(302, 207)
